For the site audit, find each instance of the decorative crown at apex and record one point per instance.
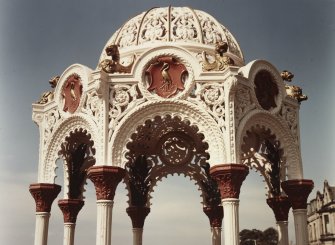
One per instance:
(113, 65)
(222, 60)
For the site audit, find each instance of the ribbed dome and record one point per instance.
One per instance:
(180, 25)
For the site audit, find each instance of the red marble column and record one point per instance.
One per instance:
(230, 178)
(105, 180)
(297, 191)
(70, 209)
(44, 195)
(215, 215)
(138, 215)
(280, 206)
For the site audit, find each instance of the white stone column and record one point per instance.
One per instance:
(104, 222)
(300, 225)
(137, 236)
(231, 221)
(282, 228)
(216, 235)
(41, 228)
(69, 229)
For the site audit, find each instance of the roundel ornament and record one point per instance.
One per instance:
(166, 76)
(71, 93)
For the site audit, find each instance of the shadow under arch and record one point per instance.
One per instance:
(63, 130)
(277, 127)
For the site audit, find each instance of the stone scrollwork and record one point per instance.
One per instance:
(183, 27)
(210, 96)
(290, 115)
(123, 98)
(242, 104)
(50, 119)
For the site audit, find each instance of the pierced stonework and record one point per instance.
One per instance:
(123, 98)
(263, 152)
(211, 96)
(78, 153)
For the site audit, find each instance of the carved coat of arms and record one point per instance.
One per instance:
(166, 76)
(71, 92)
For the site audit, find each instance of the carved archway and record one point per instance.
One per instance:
(164, 146)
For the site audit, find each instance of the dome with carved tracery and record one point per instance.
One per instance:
(185, 26)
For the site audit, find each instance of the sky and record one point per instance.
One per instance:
(40, 39)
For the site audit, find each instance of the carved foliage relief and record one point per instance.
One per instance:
(211, 97)
(78, 153)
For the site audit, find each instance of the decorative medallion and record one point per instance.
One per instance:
(71, 92)
(166, 76)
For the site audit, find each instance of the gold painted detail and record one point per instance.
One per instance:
(113, 65)
(49, 95)
(222, 60)
(293, 91)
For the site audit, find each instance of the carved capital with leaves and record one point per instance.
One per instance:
(280, 206)
(298, 191)
(229, 178)
(44, 195)
(70, 209)
(138, 215)
(105, 180)
(215, 215)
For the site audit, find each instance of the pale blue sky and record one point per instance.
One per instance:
(40, 39)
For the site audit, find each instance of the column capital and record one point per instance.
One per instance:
(229, 178)
(215, 215)
(70, 209)
(105, 180)
(138, 215)
(297, 191)
(280, 206)
(44, 195)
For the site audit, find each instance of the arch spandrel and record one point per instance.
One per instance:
(278, 127)
(183, 109)
(48, 166)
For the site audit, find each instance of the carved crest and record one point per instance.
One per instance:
(72, 90)
(166, 76)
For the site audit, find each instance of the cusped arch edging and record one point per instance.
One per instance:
(277, 127)
(183, 109)
(64, 128)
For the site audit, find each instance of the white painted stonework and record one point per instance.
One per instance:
(222, 104)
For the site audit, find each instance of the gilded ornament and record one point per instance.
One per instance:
(222, 60)
(113, 65)
(286, 75)
(295, 92)
(49, 95)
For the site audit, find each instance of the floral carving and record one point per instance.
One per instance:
(138, 215)
(70, 209)
(154, 26)
(105, 180)
(298, 191)
(229, 178)
(183, 27)
(123, 98)
(44, 195)
(51, 118)
(78, 153)
(211, 97)
(215, 215)
(290, 114)
(280, 206)
(242, 103)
